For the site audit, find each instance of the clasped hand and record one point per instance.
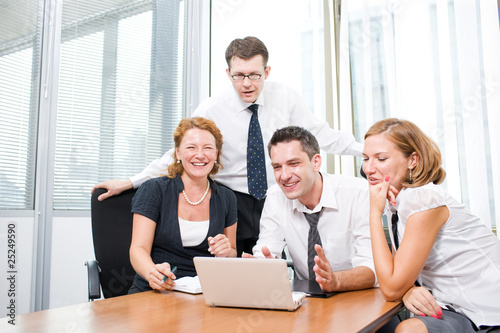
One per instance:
(220, 246)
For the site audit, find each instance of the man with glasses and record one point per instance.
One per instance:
(247, 116)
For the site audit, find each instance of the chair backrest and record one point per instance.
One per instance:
(112, 234)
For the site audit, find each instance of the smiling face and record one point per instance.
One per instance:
(297, 174)
(247, 89)
(197, 153)
(381, 158)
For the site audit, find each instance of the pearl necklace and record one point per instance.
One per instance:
(202, 198)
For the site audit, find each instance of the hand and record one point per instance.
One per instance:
(421, 302)
(156, 275)
(114, 187)
(265, 251)
(324, 273)
(380, 193)
(220, 246)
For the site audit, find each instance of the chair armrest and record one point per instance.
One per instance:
(93, 271)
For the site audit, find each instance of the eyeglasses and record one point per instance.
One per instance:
(252, 77)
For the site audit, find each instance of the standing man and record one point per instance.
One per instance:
(247, 116)
(322, 218)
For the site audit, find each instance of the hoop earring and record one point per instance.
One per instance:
(411, 180)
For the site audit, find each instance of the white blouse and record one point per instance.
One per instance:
(463, 267)
(193, 233)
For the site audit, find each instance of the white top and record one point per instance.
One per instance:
(343, 225)
(193, 232)
(463, 268)
(280, 106)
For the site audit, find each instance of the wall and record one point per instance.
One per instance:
(71, 248)
(19, 293)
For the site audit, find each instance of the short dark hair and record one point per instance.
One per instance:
(245, 49)
(290, 133)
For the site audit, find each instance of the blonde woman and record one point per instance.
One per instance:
(438, 243)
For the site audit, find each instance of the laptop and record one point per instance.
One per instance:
(311, 288)
(247, 283)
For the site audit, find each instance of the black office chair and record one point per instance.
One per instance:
(112, 234)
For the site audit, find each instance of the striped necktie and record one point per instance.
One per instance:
(256, 163)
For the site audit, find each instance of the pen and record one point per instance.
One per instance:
(173, 270)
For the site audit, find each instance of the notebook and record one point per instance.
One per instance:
(247, 283)
(188, 284)
(311, 288)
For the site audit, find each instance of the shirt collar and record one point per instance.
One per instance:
(327, 200)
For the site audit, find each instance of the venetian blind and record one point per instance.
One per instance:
(20, 32)
(121, 84)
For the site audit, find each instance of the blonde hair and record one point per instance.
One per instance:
(186, 124)
(408, 138)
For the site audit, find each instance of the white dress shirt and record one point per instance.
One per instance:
(463, 268)
(279, 106)
(343, 225)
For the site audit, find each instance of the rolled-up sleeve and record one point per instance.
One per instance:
(361, 231)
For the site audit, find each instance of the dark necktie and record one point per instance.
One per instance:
(256, 163)
(312, 239)
(394, 227)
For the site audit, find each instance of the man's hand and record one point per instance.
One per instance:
(113, 186)
(265, 251)
(324, 273)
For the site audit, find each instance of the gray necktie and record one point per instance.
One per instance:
(312, 239)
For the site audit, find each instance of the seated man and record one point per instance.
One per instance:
(316, 213)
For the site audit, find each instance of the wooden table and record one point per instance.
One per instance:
(356, 311)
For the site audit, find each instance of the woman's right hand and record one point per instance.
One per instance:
(381, 192)
(421, 302)
(157, 274)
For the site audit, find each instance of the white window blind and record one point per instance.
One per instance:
(19, 56)
(120, 92)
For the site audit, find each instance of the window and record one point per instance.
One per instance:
(19, 73)
(293, 33)
(120, 92)
(434, 63)
(120, 95)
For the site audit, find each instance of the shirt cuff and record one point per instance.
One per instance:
(138, 179)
